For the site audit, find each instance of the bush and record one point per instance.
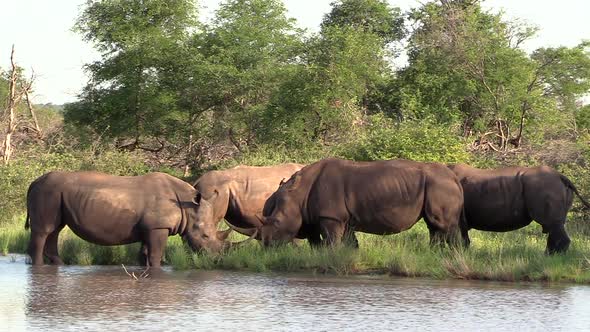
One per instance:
(416, 140)
(267, 155)
(580, 177)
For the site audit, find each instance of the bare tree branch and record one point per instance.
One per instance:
(26, 91)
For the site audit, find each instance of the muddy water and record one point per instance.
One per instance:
(102, 298)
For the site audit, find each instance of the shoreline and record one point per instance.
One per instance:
(378, 276)
(516, 256)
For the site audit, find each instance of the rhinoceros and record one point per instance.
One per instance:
(337, 197)
(110, 210)
(238, 195)
(507, 199)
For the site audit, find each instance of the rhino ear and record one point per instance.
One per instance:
(197, 199)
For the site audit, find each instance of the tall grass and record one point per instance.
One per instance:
(512, 256)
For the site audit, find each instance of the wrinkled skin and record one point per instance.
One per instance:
(333, 198)
(507, 199)
(275, 233)
(107, 210)
(205, 236)
(238, 195)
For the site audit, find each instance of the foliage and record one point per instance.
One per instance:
(372, 16)
(137, 38)
(249, 50)
(327, 95)
(583, 118)
(565, 73)
(462, 65)
(465, 64)
(421, 141)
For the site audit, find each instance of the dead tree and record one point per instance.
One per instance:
(16, 92)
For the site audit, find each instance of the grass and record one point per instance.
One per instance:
(512, 256)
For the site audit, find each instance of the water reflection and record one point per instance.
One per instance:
(71, 298)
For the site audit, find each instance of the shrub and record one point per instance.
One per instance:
(421, 141)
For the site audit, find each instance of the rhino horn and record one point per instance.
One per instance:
(241, 243)
(222, 235)
(244, 231)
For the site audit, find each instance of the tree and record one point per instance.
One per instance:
(249, 49)
(583, 118)
(17, 89)
(466, 65)
(372, 16)
(326, 97)
(338, 79)
(563, 74)
(137, 38)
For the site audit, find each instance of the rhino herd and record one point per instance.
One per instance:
(325, 202)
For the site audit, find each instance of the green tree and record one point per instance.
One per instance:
(373, 16)
(327, 96)
(249, 49)
(563, 74)
(466, 65)
(583, 117)
(137, 38)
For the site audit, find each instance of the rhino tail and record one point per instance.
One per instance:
(570, 185)
(463, 220)
(27, 221)
(28, 218)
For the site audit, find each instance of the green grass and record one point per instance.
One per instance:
(512, 256)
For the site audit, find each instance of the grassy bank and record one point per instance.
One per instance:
(514, 256)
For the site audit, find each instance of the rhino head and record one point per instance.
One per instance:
(201, 231)
(281, 214)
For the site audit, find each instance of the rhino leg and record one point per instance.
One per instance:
(50, 250)
(315, 240)
(350, 239)
(558, 241)
(443, 225)
(142, 255)
(332, 231)
(312, 233)
(465, 237)
(436, 236)
(36, 245)
(156, 244)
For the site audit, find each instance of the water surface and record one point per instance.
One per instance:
(74, 298)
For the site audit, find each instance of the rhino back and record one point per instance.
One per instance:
(495, 199)
(376, 197)
(243, 190)
(108, 210)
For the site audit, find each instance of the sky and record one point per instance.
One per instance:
(45, 44)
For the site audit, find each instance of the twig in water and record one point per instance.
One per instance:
(132, 275)
(143, 274)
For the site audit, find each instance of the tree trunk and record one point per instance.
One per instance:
(10, 106)
(32, 111)
(188, 155)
